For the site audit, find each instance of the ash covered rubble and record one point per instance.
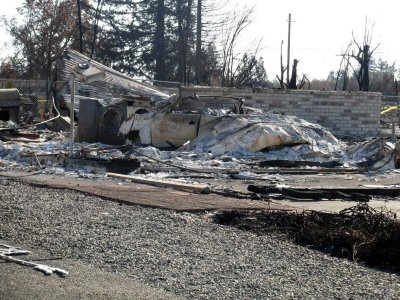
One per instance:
(216, 154)
(125, 126)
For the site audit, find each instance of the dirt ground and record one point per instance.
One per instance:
(82, 282)
(89, 282)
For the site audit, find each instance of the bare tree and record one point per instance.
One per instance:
(48, 29)
(99, 7)
(292, 84)
(346, 74)
(303, 82)
(212, 20)
(250, 71)
(234, 28)
(160, 72)
(363, 55)
(283, 70)
(345, 59)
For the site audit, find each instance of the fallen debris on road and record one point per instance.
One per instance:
(362, 194)
(197, 188)
(7, 252)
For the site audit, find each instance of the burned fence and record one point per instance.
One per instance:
(36, 95)
(38, 88)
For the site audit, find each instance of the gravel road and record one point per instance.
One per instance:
(178, 252)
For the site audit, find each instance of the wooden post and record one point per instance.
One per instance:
(72, 117)
(396, 82)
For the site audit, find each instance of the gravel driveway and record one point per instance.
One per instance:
(179, 252)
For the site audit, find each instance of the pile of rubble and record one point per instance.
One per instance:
(133, 131)
(132, 128)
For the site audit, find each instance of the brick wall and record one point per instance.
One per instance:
(346, 114)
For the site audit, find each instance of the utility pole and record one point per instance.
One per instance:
(288, 51)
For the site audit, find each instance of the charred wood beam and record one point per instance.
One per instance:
(351, 194)
(307, 194)
(197, 188)
(298, 163)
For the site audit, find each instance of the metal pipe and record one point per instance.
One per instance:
(72, 117)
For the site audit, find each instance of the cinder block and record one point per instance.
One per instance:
(354, 113)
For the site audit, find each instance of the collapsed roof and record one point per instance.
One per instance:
(109, 90)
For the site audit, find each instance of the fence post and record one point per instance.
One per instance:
(72, 117)
(397, 94)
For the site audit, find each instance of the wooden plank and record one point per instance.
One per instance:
(299, 171)
(280, 163)
(198, 188)
(178, 169)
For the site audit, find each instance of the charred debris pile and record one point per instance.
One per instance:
(198, 133)
(134, 131)
(359, 233)
(129, 127)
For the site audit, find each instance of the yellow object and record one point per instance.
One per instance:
(389, 109)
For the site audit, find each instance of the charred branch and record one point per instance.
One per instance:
(283, 70)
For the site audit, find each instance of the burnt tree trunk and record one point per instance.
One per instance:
(160, 72)
(365, 66)
(181, 38)
(293, 79)
(199, 74)
(187, 30)
(78, 2)
(283, 69)
(346, 76)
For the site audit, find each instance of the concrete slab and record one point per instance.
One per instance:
(144, 195)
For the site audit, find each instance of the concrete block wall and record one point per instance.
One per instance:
(346, 114)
